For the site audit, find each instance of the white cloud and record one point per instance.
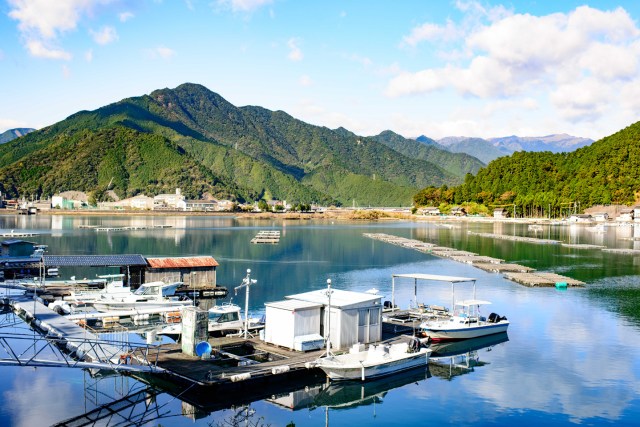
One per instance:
(295, 54)
(242, 5)
(41, 22)
(66, 71)
(521, 54)
(88, 55)
(362, 60)
(161, 52)
(105, 35)
(433, 32)
(39, 50)
(125, 16)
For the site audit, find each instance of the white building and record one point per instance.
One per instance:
(355, 317)
(168, 201)
(600, 216)
(293, 324)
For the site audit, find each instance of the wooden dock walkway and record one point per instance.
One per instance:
(267, 236)
(514, 272)
(87, 345)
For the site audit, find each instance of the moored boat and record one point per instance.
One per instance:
(148, 295)
(377, 361)
(465, 323)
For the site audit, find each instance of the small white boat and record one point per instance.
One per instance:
(465, 323)
(224, 319)
(148, 295)
(376, 361)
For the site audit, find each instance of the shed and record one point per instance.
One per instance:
(293, 324)
(355, 317)
(500, 213)
(17, 248)
(192, 271)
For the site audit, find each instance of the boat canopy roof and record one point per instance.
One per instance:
(470, 302)
(435, 277)
(224, 308)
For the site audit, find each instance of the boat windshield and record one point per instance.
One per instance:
(147, 290)
(224, 317)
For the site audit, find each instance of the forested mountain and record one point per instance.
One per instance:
(606, 172)
(12, 134)
(460, 164)
(192, 138)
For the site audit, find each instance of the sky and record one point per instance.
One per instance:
(425, 67)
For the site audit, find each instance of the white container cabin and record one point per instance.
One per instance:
(355, 317)
(293, 324)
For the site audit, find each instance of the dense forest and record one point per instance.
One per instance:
(192, 138)
(543, 183)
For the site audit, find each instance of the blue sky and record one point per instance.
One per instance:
(438, 68)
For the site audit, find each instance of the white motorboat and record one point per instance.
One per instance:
(466, 322)
(224, 319)
(148, 295)
(377, 361)
(111, 285)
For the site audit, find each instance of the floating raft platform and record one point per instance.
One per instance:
(267, 236)
(19, 234)
(515, 272)
(623, 251)
(140, 227)
(503, 268)
(516, 238)
(582, 246)
(539, 279)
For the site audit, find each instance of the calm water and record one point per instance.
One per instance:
(572, 357)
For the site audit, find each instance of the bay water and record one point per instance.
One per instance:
(571, 356)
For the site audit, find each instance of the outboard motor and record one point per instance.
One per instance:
(494, 318)
(387, 304)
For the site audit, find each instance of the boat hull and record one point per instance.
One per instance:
(446, 333)
(338, 369)
(114, 305)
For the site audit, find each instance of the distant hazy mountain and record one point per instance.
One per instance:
(12, 134)
(558, 143)
(490, 149)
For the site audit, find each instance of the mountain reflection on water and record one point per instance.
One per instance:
(572, 357)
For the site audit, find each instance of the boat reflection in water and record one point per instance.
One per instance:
(449, 359)
(348, 394)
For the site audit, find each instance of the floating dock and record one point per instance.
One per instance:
(516, 238)
(140, 227)
(623, 251)
(514, 272)
(267, 236)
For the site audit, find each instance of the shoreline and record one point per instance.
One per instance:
(333, 214)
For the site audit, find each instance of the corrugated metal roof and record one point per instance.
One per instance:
(94, 260)
(182, 262)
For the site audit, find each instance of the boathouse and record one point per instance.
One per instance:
(355, 317)
(626, 215)
(192, 271)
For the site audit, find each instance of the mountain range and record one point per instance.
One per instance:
(490, 149)
(192, 138)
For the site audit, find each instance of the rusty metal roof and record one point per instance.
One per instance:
(182, 262)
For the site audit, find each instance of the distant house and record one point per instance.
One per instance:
(168, 201)
(600, 216)
(429, 211)
(626, 215)
(140, 202)
(636, 213)
(581, 218)
(458, 212)
(198, 205)
(500, 213)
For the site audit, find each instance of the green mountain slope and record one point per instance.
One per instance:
(248, 152)
(606, 172)
(459, 164)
